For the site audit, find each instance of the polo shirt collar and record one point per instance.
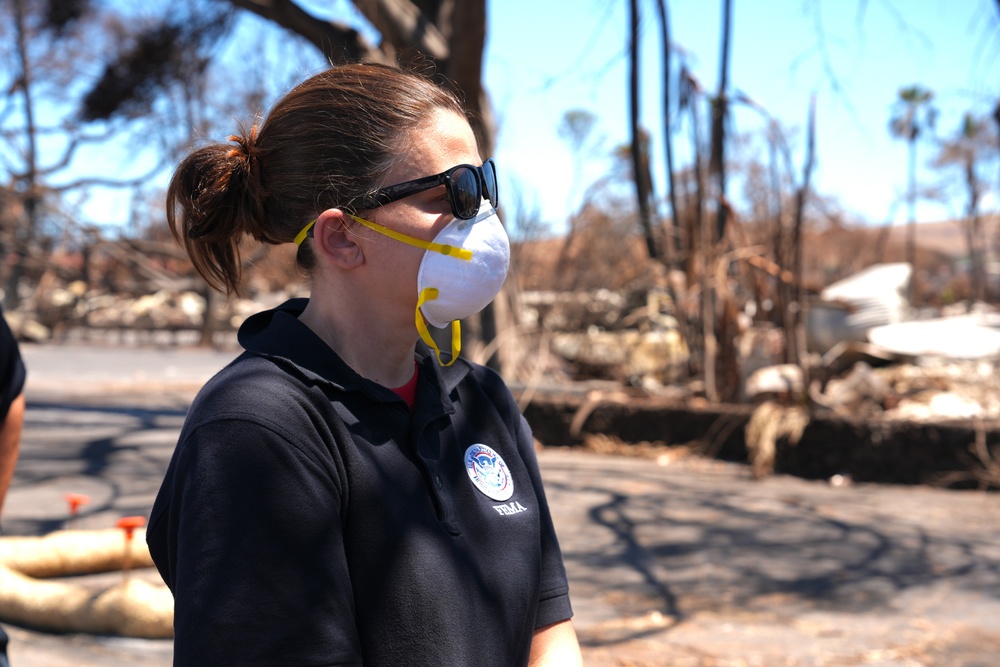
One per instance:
(446, 377)
(280, 335)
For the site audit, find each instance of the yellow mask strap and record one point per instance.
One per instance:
(301, 236)
(429, 294)
(443, 248)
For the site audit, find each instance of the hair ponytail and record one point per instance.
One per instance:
(214, 199)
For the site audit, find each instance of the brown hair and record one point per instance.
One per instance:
(327, 142)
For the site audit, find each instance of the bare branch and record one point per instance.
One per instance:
(402, 24)
(821, 49)
(903, 25)
(109, 182)
(74, 143)
(338, 41)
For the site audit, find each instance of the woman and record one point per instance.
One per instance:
(342, 494)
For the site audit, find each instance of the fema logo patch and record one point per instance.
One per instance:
(488, 472)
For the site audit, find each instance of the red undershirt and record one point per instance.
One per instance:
(408, 392)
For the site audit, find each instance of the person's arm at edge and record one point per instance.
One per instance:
(10, 444)
(555, 645)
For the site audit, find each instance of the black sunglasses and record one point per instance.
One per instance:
(466, 185)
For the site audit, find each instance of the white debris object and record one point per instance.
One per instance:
(777, 379)
(952, 338)
(850, 307)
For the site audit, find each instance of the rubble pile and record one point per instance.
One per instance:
(941, 390)
(73, 309)
(622, 336)
(869, 353)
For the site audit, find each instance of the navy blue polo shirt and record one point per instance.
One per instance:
(309, 518)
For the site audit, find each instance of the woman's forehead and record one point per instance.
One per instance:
(445, 140)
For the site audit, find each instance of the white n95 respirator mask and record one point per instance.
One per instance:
(461, 272)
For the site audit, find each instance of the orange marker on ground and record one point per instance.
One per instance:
(75, 500)
(129, 524)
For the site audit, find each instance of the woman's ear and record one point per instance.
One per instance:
(333, 239)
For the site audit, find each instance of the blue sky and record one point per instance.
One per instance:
(544, 58)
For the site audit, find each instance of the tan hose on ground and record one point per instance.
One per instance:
(68, 552)
(132, 608)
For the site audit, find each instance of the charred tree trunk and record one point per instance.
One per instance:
(705, 246)
(466, 39)
(973, 230)
(793, 319)
(720, 112)
(781, 288)
(27, 182)
(640, 170)
(911, 225)
(996, 119)
(674, 245)
(725, 329)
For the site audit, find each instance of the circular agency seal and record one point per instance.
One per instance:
(489, 472)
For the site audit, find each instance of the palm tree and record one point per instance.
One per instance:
(913, 113)
(577, 128)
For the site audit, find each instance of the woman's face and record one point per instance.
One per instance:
(443, 142)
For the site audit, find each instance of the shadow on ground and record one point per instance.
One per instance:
(669, 547)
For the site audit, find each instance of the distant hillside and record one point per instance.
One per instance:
(947, 237)
(614, 260)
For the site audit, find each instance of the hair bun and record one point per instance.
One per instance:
(244, 154)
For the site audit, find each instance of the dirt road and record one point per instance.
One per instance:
(673, 560)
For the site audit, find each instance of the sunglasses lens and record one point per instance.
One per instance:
(490, 176)
(465, 194)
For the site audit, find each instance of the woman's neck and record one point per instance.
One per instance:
(377, 350)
